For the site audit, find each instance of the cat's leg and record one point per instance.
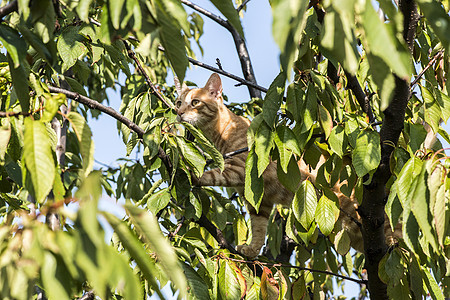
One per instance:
(259, 228)
(231, 176)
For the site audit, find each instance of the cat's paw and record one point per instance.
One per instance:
(247, 251)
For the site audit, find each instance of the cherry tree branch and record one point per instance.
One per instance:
(256, 262)
(243, 4)
(241, 47)
(430, 63)
(153, 89)
(361, 97)
(8, 8)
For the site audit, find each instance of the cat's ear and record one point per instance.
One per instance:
(214, 86)
(180, 88)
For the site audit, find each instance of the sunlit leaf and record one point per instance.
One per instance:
(367, 153)
(84, 135)
(304, 204)
(326, 214)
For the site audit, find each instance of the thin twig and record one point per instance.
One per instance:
(224, 73)
(361, 97)
(430, 63)
(8, 8)
(6, 114)
(240, 7)
(256, 262)
(207, 13)
(153, 89)
(229, 155)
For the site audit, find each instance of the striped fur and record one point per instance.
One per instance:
(204, 108)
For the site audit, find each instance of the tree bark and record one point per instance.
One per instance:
(372, 208)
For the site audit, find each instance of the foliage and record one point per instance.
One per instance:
(169, 232)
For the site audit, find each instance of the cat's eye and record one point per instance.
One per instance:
(195, 102)
(178, 104)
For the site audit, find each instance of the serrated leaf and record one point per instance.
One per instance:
(394, 267)
(367, 154)
(325, 121)
(176, 11)
(342, 242)
(229, 286)
(287, 143)
(14, 44)
(438, 18)
(304, 204)
(197, 286)
(227, 8)
(148, 226)
(310, 111)
(420, 209)
(339, 38)
(206, 145)
(20, 84)
(292, 177)
(432, 112)
(173, 44)
(192, 156)
(269, 286)
(116, 12)
(83, 9)
(70, 46)
(273, 99)
(327, 212)
(440, 215)
(158, 200)
(338, 140)
(84, 136)
(263, 146)
(254, 185)
(393, 206)
(38, 159)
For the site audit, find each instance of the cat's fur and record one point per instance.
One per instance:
(204, 108)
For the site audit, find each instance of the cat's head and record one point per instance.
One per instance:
(199, 106)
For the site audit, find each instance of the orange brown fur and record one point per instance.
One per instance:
(204, 108)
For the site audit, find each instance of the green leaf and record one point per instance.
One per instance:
(433, 288)
(339, 39)
(84, 135)
(20, 84)
(289, 20)
(34, 41)
(394, 267)
(304, 204)
(342, 242)
(292, 177)
(197, 286)
(173, 44)
(136, 250)
(177, 12)
(14, 44)
(254, 185)
(338, 140)
(327, 213)
(206, 145)
(367, 154)
(70, 46)
(115, 8)
(432, 112)
(440, 219)
(38, 159)
(325, 121)
(53, 287)
(263, 146)
(310, 114)
(83, 9)
(229, 287)
(273, 99)
(287, 143)
(382, 42)
(420, 208)
(158, 201)
(393, 206)
(192, 156)
(438, 19)
(148, 226)
(227, 8)
(45, 18)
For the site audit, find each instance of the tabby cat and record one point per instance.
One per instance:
(204, 108)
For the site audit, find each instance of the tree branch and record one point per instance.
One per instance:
(361, 97)
(216, 233)
(241, 47)
(430, 63)
(8, 8)
(111, 112)
(224, 73)
(243, 4)
(153, 89)
(256, 262)
(372, 208)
